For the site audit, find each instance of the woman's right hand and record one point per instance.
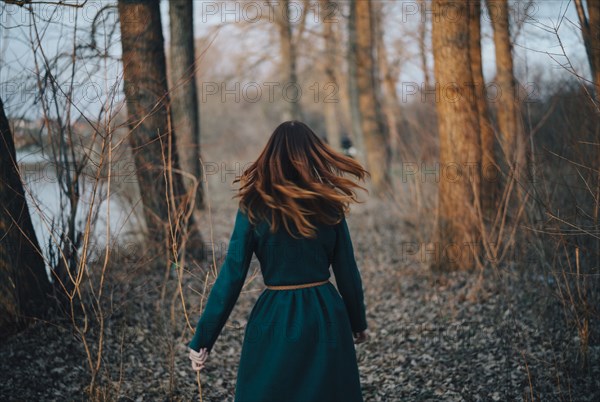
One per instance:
(198, 358)
(360, 337)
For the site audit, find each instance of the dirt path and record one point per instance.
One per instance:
(451, 337)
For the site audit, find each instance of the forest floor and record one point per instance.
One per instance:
(463, 336)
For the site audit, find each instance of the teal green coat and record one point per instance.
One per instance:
(298, 344)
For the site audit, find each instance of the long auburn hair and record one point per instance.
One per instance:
(298, 178)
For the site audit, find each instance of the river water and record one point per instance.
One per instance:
(117, 220)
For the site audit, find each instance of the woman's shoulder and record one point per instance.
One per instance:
(251, 218)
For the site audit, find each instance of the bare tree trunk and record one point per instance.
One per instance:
(331, 63)
(390, 74)
(153, 143)
(512, 136)
(290, 87)
(422, 45)
(371, 117)
(353, 90)
(457, 240)
(184, 98)
(590, 31)
(490, 176)
(24, 284)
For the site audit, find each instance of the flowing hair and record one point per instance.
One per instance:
(298, 178)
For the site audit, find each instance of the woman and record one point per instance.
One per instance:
(298, 344)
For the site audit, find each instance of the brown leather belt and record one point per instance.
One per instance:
(300, 286)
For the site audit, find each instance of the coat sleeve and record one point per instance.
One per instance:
(347, 277)
(228, 285)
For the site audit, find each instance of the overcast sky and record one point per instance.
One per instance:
(536, 46)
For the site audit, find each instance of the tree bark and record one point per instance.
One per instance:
(590, 32)
(185, 117)
(512, 136)
(24, 284)
(331, 62)
(153, 144)
(489, 173)
(422, 45)
(390, 74)
(290, 87)
(456, 239)
(353, 91)
(371, 117)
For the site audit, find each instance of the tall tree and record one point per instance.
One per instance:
(422, 44)
(456, 237)
(389, 72)
(512, 136)
(185, 115)
(289, 59)
(372, 122)
(24, 284)
(489, 176)
(153, 144)
(590, 31)
(331, 63)
(353, 91)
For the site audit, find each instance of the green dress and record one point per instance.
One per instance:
(298, 344)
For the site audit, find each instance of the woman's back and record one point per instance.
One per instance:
(298, 344)
(285, 260)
